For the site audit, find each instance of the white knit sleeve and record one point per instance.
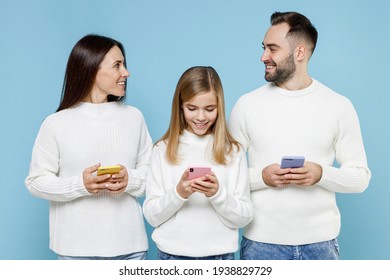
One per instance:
(161, 201)
(232, 202)
(237, 123)
(43, 180)
(353, 174)
(137, 176)
(238, 127)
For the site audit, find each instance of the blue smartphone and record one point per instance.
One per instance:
(292, 161)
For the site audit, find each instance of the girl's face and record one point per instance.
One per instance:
(111, 77)
(200, 113)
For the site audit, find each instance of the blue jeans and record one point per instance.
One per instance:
(252, 250)
(164, 257)
(133, 256)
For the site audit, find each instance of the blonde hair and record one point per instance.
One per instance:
(198, 80)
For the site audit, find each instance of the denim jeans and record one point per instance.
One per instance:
(164, 256)
(252, 250)
(133, 256)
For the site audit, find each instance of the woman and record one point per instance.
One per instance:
(93, 217)
(197, 217)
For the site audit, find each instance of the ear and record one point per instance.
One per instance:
(301, 52)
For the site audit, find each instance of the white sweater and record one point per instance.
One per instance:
(82, 224)
(316, 123)
(197, 226)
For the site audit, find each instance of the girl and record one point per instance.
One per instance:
(93, 217)
(197, 218)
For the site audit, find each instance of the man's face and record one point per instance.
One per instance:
(277, 56)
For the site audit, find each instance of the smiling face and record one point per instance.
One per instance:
(111, 77)
(278, 56)
(200, 113)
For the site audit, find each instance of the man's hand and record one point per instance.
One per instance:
(307, 175)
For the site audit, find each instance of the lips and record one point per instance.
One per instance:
(122, 84)
(269, 67)
(201, 125)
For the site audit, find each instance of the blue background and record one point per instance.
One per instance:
(164, 38)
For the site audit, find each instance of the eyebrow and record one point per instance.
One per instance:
(192, 105)
(270, 45)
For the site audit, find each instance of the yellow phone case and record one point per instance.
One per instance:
(108, 169)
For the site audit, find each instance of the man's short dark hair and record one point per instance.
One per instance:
(300, 26)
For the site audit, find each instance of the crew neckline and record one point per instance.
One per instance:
(96, 109)
(194, 138)
(296, 93)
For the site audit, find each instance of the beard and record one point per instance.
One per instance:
(285, 69)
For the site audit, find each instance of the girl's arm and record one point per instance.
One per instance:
(232, 202)
(162, 200)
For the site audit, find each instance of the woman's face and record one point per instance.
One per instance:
(201, 113)
(111, 77)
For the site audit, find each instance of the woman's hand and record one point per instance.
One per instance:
(118, 181)
(92, 183)
(114, 183)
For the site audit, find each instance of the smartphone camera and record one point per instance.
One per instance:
(191, 170)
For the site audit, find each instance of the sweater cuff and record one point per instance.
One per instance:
(343, 180)
(219, 196)
(178, 195)
(79, 187)
(256, 179)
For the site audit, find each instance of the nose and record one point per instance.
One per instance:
(264, 56)
(201, 115)
(125, 73)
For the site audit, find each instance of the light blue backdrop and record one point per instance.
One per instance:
(164, 38)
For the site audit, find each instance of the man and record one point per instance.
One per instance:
(296, 216)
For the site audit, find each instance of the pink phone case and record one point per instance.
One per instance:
(196, 172)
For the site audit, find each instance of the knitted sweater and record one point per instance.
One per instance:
(316, 123)
(197, 226)
(82, 224)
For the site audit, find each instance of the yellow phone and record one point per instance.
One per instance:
(112, 169)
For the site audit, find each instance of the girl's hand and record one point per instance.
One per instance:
(208, 185)
(183, 188)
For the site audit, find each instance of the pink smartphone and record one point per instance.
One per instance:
(196, 172)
